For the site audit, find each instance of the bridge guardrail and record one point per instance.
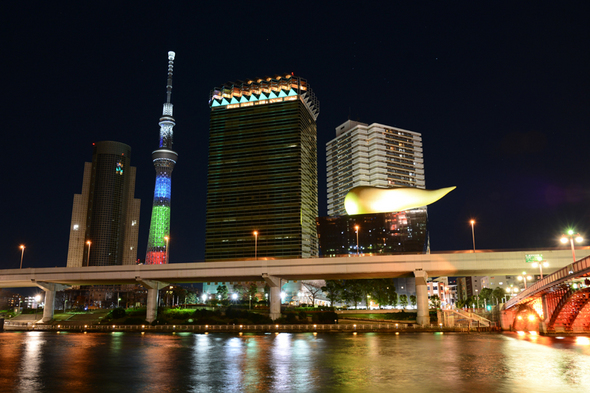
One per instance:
(562, 274)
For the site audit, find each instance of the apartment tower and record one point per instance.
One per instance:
(371, 155)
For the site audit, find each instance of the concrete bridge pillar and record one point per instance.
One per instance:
(153, 288)
(275, 295)
(423, 317)
(50, 289)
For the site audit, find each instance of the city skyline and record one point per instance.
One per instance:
(498, 93)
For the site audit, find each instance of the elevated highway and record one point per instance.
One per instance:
(154, 277)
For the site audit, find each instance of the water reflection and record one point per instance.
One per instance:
(292, 362)
(28, 374)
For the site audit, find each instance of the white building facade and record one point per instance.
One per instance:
(371, 155)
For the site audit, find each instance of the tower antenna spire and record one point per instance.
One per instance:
(171, 56)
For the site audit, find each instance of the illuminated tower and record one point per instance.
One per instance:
(262, 170)
(164, 160)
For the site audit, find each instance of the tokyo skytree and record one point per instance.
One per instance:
(164, 160)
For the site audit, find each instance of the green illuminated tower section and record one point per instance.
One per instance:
(262, 172)
(164, 160)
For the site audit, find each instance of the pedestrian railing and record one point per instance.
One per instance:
(225, 328)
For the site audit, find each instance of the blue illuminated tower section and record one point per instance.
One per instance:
(164, 160)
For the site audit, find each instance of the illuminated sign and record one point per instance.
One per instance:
(530, 258)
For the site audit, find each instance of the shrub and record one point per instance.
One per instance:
(117, 313)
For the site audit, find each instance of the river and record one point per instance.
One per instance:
(291, 362)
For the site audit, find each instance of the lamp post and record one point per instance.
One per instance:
(570, 236)
(167, 238)
(255, 245)
(22, 254)
(540, 265)
(356, 230)
(473, 233)
(88, 242)
(524, 278)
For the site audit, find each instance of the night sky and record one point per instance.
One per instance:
(498, 90)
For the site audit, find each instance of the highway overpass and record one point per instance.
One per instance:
(155, 277)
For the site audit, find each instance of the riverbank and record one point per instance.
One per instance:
(268, 328)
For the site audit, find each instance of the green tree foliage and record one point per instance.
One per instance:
(403, 301)
(333, 290)
(192, 298)
(353, 292)
(222, 292)
(434, 301)
(486, 293)
(498, 294)
(252, 291)
(413, 300)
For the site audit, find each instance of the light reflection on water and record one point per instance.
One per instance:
(298, 362)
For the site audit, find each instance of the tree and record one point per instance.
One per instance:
(381, 290)
(333, 290)
(413, 300)
(252, 290)
(403, 300)
(313, 289)
(434, 301)
(486, 293)
(393, 299)
(352, 292)
(222, 292)
(498, 294)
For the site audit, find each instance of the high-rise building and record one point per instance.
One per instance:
(105, 216)
(371, 155)
(164, 160)
(262, 170)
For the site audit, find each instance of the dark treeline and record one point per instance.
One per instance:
(362, 292)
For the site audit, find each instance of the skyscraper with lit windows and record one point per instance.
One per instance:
(164, 160)
(371, 155)
(105, 216)
(262, 170)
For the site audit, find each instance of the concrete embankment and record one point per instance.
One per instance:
(278, 328)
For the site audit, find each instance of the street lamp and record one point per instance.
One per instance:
(540, 265)
(570, 236)
(22, 254)
(524, 278)
(356, 230)
(88, 261)
(255, 245)
(473, 233)
(167, 238)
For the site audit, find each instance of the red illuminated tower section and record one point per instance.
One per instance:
(164, 160)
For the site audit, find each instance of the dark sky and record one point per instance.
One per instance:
(498, 90)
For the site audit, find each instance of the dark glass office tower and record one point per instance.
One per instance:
(105, 216)
(262, 170)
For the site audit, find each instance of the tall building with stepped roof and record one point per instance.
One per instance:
(262, 199)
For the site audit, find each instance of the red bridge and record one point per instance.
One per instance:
(558, 303)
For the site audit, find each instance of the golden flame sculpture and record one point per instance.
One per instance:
(367, 200)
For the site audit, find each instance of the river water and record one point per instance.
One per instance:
(291, 362)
